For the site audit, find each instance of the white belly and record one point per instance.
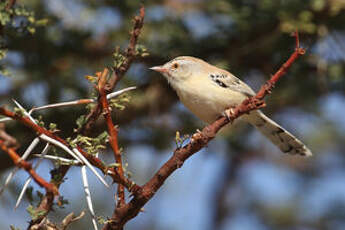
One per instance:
(208, 102)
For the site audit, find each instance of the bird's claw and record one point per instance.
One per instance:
(196, 135)
(228, 113)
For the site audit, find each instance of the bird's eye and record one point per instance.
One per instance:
(175, 65)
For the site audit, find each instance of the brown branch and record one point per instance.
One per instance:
(92, 159)
(118, 177)
(118, 73)
(198, 141)
(9, 141)
(50, 188)
(112, 134)
(130, 53)
(47, 201)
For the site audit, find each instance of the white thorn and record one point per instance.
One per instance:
(25, 112)
(20, 197)
(5, 119)
(85, 161)
(75, 154)
(56, 158)
(119, 92)
(88, 196)
(14, 171)
(30, 148)
(76, 102)
(27, 182)
(55, 105)
(8, 180)
(59, 144)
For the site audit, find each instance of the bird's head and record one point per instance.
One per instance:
(180, 68)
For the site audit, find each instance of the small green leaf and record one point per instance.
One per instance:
(81, 121)
(101, 220)
(113, 165)
(141, 50)
(19, 112)
(118, 58)
(180, 140)
(35, 214)
(52, 127)
(120, 102)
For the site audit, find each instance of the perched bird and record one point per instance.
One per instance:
(208, 91)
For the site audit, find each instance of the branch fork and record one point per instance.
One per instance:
(140, 195)
(198, 141)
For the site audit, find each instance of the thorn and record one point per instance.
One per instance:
(229, 113)
(88, 196)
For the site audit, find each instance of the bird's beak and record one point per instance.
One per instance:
(160, 69)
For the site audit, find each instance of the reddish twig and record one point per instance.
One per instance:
(92, 159)
(130, 53)
(112, 134)
(9, 141)
(266, 89)
(50, 188)
(118, 73)
(198, 141)
(47, 201)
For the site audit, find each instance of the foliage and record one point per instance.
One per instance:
(34, 213)
(18, 19)
(49, 53)
(180, 140)
(91, 145)
(120, 102)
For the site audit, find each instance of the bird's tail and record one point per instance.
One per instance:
(284, 140)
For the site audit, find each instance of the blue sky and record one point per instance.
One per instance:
(184, 200)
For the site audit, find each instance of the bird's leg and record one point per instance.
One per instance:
(196, 135)
(228, 113)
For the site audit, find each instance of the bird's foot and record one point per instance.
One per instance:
(228, 113)
(196, 136)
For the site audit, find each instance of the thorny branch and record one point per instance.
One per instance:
(47, 201)
(112, 134)
(119, 72)
(41, 130)
(50, 188)
(130, 51)
(198, 141)
(123, 211)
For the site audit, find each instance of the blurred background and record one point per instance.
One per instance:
(240, 181)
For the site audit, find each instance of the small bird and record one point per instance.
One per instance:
(208, 91)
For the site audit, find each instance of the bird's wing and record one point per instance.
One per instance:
(227, 80)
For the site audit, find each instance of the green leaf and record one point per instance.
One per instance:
(34, 213)
(81, 121)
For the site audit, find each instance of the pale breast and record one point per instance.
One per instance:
(207, 100)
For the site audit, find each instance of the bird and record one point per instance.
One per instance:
(208, 91)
